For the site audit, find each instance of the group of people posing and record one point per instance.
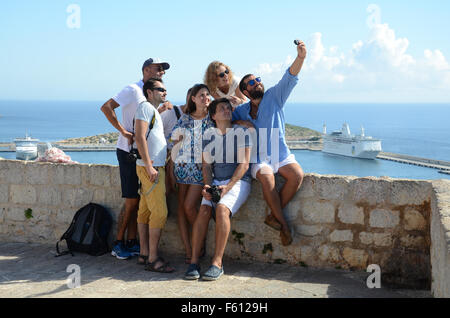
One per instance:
(207, 151)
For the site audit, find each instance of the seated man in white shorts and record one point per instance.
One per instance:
(226, 160)
(265, 112)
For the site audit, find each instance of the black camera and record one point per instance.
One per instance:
(133, 155)
(215, 192)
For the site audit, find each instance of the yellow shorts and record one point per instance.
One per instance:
(152, 206)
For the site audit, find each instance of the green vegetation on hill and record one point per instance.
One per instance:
(297, 133)
(292, 133)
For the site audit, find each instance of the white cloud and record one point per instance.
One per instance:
(381, 63)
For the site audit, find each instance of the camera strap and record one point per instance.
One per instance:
(150, 126)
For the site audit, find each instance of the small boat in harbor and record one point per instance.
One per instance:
(26, 148)
(345, 144)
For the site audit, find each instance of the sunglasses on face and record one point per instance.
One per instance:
(254, 81)
(160, 89)
(221, 75)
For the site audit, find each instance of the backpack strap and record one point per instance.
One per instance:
(58, 253)
(177, 112)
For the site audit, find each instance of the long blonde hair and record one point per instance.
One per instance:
(210, 78)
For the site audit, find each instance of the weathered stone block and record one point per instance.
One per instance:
(247, 228)
(366, 238)
(407, 192)
(67, 174)
(11, 172)
(341, 236)
(15, 214)
(50, 196)
(413, 241)
(23, 194)
(414, 220)
(331, 188)
(4, 193)
(306, 190)
(351, 214)
(64, 217)
(356, 258)
(369, 190)
(99, 176)
(290, 212)
(317, 212)
(115, 177)
(77, 197)
(329, 253)
(36, 174)
(308, 230)
(382, 239)
(384, 218)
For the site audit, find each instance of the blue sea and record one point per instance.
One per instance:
(420, 130)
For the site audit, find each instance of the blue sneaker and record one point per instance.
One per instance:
(213, 273)
(193, 272)
(134, 250)
(120, 251)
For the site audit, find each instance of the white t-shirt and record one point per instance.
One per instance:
(169, 118)
(156, 143)
(231, 90)
(129, 98)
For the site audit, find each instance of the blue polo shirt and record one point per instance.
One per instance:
(270, 120)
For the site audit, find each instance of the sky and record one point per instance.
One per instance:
(358, 51)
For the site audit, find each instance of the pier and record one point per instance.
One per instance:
(442, 166)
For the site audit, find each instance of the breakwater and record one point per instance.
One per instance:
(441, 165)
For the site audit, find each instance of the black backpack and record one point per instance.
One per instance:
(88, 232)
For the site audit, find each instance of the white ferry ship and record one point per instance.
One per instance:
(26, 148)
(345, 144)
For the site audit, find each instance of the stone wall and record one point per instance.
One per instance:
(338, 222)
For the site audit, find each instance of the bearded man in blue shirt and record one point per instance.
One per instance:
(265, 112)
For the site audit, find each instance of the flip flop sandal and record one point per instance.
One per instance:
(272, 222)
(144, 261)
(164, 268)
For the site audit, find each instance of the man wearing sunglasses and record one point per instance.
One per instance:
(152, 147)
(265, 112)
(129, 98)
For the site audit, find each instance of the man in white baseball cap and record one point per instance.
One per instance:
(129, 98)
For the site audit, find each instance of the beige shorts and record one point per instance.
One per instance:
(152, 206)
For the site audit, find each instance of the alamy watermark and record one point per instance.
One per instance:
(193, 143)
(74, 279)
(374, 279)
(374, 17)
(74, 19)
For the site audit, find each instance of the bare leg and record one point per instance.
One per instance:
(143, 238)
(223, 224)
(271, 195)
(128, 219)
(154, 236)
(183, 225)
(199, 231)
(293, 174)
(191, 202)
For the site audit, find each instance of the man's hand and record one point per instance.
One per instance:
(235, 101)
(205, 193)
(167, 105)
(244, 123)
(301, 50)
(129, 136)
(224, 190)
(152, 173)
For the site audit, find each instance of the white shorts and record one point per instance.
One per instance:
(274, 167)
(234, 198)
